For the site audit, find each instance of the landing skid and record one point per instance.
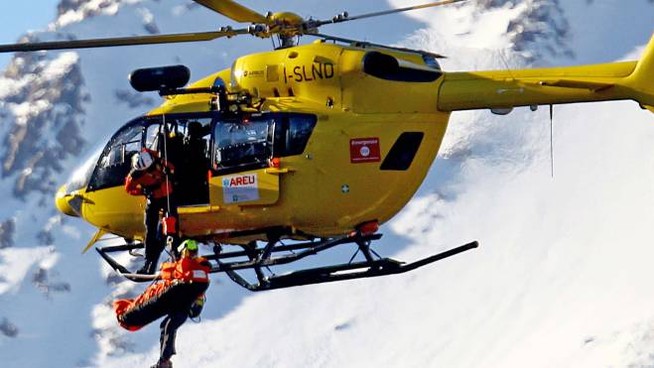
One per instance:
(262, 258)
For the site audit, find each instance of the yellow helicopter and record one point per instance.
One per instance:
(318, 143)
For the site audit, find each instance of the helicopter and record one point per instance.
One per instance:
(306, 147)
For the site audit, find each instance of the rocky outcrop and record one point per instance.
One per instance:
(7, 328)
(7, 229)
(43, 113)
(540, 30)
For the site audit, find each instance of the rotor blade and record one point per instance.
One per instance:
(234, 11)
(121, 41)
(393, 11)
(365, 43)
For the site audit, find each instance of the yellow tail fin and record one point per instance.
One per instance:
(642, 79)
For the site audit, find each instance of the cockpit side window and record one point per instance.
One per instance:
(152, 136)
(248, 143)
(241, 143)
(123, 145)
(292, 134)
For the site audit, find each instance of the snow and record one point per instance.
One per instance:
(60, 65)
(105, 7)
(17, 262)
(23, 111)
(7, 85)
(562, 278)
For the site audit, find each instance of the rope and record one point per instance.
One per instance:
(552, 140)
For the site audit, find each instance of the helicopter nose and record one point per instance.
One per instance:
(65, 202)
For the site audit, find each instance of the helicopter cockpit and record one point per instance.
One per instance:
(201, 145)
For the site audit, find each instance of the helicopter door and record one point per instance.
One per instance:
(241, 154)
(187, 149)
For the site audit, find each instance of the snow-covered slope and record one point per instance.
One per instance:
(562, 277)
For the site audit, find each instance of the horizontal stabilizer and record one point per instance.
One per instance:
(642, 80)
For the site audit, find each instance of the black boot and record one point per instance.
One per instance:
(148, 268)
(163, 364)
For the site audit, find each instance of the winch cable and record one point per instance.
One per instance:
(169, 239)
(552, 140)
(165, 163)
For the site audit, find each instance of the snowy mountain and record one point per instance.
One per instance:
(562, 277)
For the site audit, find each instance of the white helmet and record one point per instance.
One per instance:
(142, 161)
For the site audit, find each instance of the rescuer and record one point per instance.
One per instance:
(150, 176)
(177, 294)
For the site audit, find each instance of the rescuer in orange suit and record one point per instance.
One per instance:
(177, 294)
(150, 177)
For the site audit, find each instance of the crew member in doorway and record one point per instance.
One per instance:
(192, 178)
(151, 176)
(177, 294)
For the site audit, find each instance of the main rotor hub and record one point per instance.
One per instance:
(285, 19)
(285, 25)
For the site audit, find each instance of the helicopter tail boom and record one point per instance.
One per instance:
(505, 89)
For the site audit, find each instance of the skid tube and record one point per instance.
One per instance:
(346, 271)
(262, 257)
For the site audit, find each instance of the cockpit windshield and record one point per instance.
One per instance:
(123, 145)
(81, 176)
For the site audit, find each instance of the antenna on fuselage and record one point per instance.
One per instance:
(552, 140)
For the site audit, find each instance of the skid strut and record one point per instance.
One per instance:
(258, 259)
